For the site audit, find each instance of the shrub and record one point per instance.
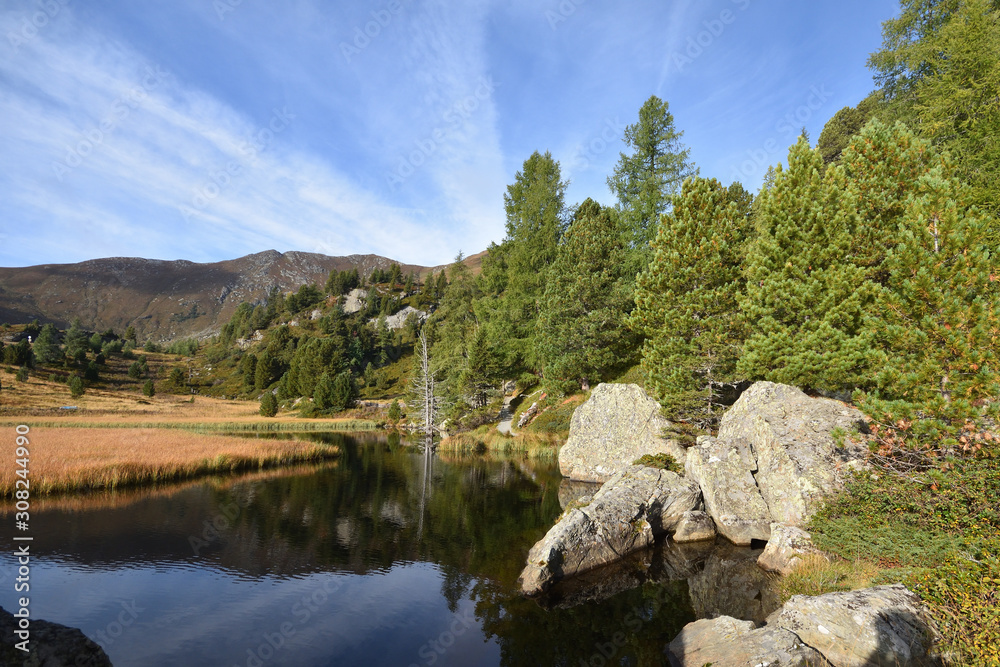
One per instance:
(935, 531)
(148, 389)
(76, 388)
(663, 461)
(268, 405)
(22, 374)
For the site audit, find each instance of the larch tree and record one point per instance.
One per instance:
(645, 180)
(687, 300)
(939, 67)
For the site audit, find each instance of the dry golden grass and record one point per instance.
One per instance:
(487, 439)
(76, 459)
(38, 401)
(816, 575)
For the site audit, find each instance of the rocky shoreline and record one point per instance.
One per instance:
(777, 455)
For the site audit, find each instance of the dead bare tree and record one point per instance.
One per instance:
(425, 401)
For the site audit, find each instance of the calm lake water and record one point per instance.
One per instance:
(382, 557)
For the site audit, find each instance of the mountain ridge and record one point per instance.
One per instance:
(169, 299)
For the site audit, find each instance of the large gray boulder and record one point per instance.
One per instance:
(50, 645)
(885, 625)
(728, 642)
(725, 472)
(796, 458)
(632, 509)
(398, 320)
(617, 425)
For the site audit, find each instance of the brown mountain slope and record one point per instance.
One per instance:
(166, 300)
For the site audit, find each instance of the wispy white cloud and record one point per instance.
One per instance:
(408, 123)
(109, 152)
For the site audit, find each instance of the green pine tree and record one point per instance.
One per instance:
(883, 164)
(515, 272)
(581, 328)
(149, 389)
(46, 346)
(76, 387)
(77, 342)
(323, 392)
(687, 300)
(344, 392)
(938, 324)
(268, 405)
(804, 297)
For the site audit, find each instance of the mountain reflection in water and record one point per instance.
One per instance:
(378, 558)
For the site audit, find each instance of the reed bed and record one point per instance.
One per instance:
(83, 459)
(488, 439)
(312, 426)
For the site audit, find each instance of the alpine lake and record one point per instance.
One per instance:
(388, 555)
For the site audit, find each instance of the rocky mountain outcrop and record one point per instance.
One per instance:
(354, 300)
(165, 300)
(397, 320)
(50, 645)
(627, 514)
(885, 625)
(617, 425)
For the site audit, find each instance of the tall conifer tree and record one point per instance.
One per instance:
(581, 328)
(686, 301)
(645, 180)
(939, 322)
(804, 296)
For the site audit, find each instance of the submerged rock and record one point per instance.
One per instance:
(627, 514)
(570, 490)
(669, 562)
(617, 425)
(731, 584)
(50, 645)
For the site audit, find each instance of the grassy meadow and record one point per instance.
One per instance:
(115, 437)
(71, 459)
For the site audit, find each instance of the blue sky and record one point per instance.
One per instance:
(209, 129)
